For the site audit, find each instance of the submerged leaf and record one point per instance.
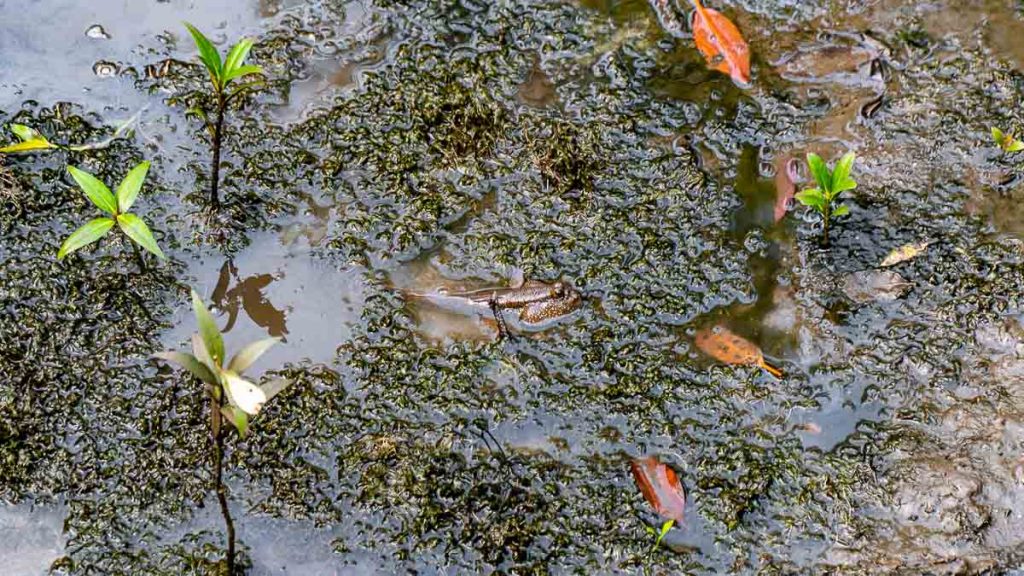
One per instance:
(723, 345)
(90, 232)
(904, 253)
(660, 487)
(868, 285)
(721, 43)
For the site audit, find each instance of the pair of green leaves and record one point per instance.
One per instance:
(222, 72)
(206, 363)
(30, 140)
(117, 206)
(1006, 141)
(831, 183)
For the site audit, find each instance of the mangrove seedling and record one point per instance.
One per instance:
(1006, 142)
(222, 74)
(831, 183)
(116, 206)
(232, 398)
(30, 140)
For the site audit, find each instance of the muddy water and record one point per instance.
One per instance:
(432, 145)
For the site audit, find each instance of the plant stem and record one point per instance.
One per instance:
(139, 256)
(218, 463)
(218, 129)
(826, 216)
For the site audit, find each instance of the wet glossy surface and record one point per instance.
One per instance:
(412, 145)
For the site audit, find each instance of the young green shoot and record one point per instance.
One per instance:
(31, 140)
(222, 74)
(115, 206)
(223, 381)
(1006, 142)
(831, 183)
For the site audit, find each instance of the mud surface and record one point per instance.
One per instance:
(429, 144)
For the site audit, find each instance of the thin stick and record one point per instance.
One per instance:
(218, 130)
(218, 461)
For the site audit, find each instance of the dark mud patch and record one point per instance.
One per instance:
(638, 176)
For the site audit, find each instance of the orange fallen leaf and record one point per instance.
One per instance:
(724, 346)
(721, 43)
(660, 486)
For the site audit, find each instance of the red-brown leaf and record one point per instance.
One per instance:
(660, 486)
(721, 43)
(785, 185)
(723, 345)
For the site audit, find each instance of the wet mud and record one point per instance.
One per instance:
(428, 144)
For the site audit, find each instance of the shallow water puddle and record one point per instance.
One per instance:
(270, 289)
(71, 47)
(32, 536)
(332, 67)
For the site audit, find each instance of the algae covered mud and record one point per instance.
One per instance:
(428, 145)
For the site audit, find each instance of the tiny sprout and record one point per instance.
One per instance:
(1006, 141)
(231, 68)
(831, 183)
(207, 362)
(244, 399)
(30, 140)
(222, 73)
(117, 206)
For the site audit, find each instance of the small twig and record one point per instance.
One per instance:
(218, 463)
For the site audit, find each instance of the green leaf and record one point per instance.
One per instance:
(819, 170)
(208, 330)
(843, 186)
(275, 387)
(1015, 146)
(237, 418)
(128, 189)
(190, 363)
(29, 146)
(842, 171)
(199, 349)
(841, 210)
(247, 396)
(236, 56)
(812, 197)
(208, 54)
(997, 135)
(246, 356)
(96, 191)
(92, 231)
(243, 71)
(25, 133)
(137, 230)
(664, 530)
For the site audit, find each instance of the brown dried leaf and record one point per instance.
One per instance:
(725, 346)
